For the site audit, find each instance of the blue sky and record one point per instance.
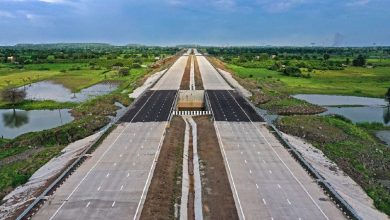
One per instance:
(206, 22)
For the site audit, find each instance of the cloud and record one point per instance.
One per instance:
(358, 2)
(275, 6)
(6, 14)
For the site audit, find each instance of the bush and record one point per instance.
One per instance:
(292, 71)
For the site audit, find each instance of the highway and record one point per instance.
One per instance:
(113, 182)
(267, 183)
(172, 78)
(212, 80)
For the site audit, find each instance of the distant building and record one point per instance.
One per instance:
(11, 59)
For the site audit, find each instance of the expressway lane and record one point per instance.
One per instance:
(267, 182)
(212, 80)
(172, 78)
(228, 105)
(111, 184)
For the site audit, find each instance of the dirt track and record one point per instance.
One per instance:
(218, 202)
(165, 187)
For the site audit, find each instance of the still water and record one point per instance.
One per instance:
(16, 122)
(48, 90)
(362, 109)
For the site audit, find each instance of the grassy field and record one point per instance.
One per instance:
(356, 81)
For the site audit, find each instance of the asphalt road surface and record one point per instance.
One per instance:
(211, 78)
(112, 183)
(154, 105)
(228, 105)
(172, 78)
(266, 181)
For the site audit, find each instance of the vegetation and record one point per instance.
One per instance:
(13, 95)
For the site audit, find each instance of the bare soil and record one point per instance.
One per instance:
(217, 197)
(165, 188)
(198, 77)
(185, 81)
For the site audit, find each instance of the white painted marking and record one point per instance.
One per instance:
(121, 188)
(114, 164)
(113, 204)
(263, 161)
(142, 146)
(242, 152)
(108, 174)
(245, 161)
(98, 189)
(279, 186)
(87, 204)
(128, 174)
(120, 155)
(288, 201)
(257, 186)
(270, 171)
(265, 203)
(250, 171)
(258, 152)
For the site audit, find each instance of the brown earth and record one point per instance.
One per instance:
(217, 197)
(165, 188)
(198, 77)
(185, 81)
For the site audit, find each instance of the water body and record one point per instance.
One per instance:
(16, 122)
(48, 90)
(361, 109)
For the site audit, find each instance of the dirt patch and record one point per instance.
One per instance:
(165, 188)
(218, 201)
(198, 77)
(185, 81)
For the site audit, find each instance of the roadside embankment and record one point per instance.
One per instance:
(353, 149)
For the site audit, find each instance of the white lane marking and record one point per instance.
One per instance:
(142, 146)
(242, 152)
(258, 152)
(128, 174)
(257, 186)
(245, 161)
(250, 171)
(270, 171)
(114, 164)
(108, 174)
(120, 155)
(121, 188)
(221, 146)
(288, 201)
(292, 174)
(263, 161)
(98, 189)
(279, 186)
(113, 204)
(97, 162)
(87, 204)
(265, 203)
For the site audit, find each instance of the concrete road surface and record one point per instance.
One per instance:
(212, 80)
(109, 185)
(172, 78)
(266, 181)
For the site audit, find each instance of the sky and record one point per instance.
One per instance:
(204, 22)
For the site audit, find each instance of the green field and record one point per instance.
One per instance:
(357, 81)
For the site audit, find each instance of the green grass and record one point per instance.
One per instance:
(35, 105)
(355, 81)
(351, 147)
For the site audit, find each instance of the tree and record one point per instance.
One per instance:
(123, 71)
(359, 61)
(326, 56)
(347, 61)
(13, 95)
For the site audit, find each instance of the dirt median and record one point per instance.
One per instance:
(198, 77)
(218, 201)
(185, 81)
(165, 188)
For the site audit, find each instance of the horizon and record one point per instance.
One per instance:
(350, 23)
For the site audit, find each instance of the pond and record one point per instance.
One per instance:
(48, 90)
(357, 109)
(16, 122)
